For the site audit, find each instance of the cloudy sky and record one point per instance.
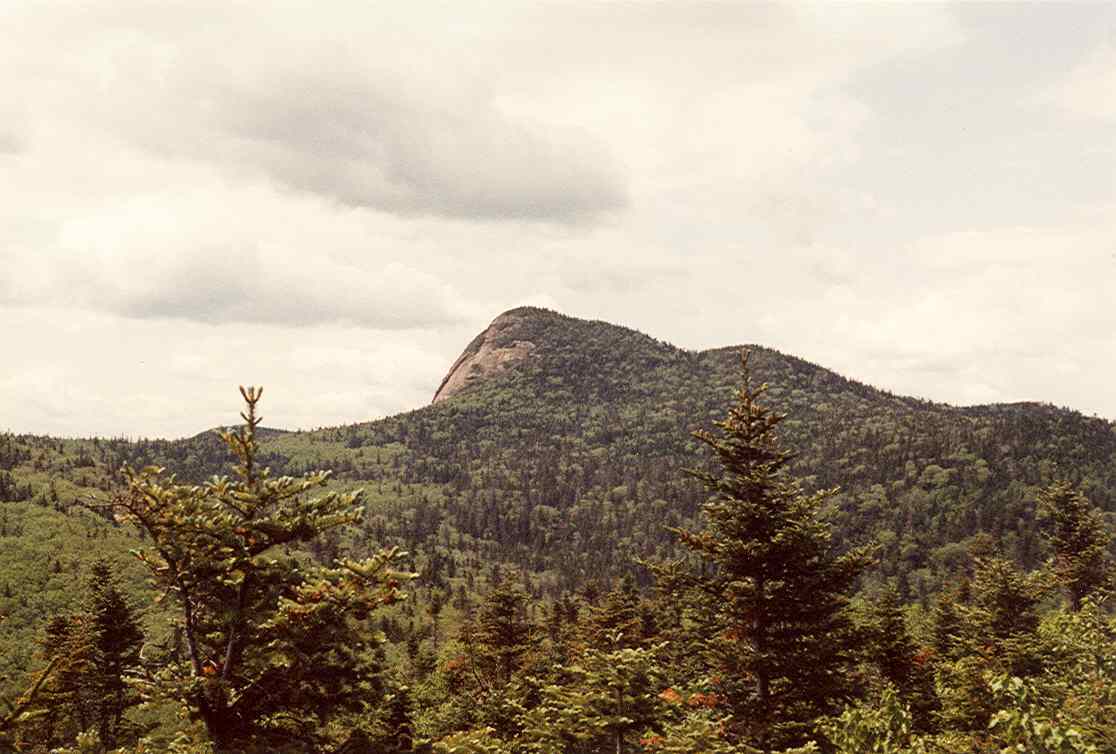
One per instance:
(332, 199)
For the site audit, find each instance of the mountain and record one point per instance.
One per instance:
(547, 425)
(571, 411)
(558, 445)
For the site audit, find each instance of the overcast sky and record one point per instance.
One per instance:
(331, 199)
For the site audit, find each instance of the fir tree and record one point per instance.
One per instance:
(617, 616)
(994, 632)
(770, 597)
(897, 658)
(504, 634)
(946, 623)
(116, 639)
(17, 714)
(892, 647)
(94, 650)
(1077, 532)
(274, 652)
(399, 722)
(607, 700)
(70, 696)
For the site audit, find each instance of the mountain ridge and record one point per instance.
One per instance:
(598, 414)
(504, 326)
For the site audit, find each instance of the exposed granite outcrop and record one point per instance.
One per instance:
(489, 353)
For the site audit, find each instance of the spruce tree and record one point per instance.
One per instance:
(892, 648)
(275, 655)
(116, 640)
(1080, 540)
(500, 644)
(69, 698)
(770, 597)
(94, 649)
(504, 634)
(617, 616)
(896, 656)
(604, 702)
(994, 632)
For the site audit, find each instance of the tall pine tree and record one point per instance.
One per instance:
(769, 600)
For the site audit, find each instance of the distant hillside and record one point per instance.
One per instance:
(558, 444)
(589, 423)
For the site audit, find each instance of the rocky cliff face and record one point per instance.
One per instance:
(489, 353)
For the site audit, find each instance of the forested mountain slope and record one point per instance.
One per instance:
(559, 444)
(566, 443)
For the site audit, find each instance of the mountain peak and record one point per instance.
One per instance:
(493, 351)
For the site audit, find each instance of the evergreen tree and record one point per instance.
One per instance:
(607, 699)
(500, 644)
(894, 653)
(275, 655)
(617, 616)
(994, 633)
(770, 599)
(892, 647)
(946, 623)
(503, 633)
(1080, 539)
(399, 723)
(25, 709)
(116, 640)
(90, 651)
(70, 696)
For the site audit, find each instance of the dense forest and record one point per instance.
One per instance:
(594, 542)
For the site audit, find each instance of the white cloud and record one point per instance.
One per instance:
(198, 194)
(226, 256)
(360, 105)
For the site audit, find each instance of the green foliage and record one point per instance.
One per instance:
(89, 652)
(899, 663)
(1077, 681)
(1025, 726)
(994, 632)
(619, 619)
(885, 727)
(504, 636)
(604, 703)
(271, 650)
(770, 601)
(1080, 542)
(483, 741)
(116, 641)
(22, 711)
(70, 697)
(698, 730)
(45, 557)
